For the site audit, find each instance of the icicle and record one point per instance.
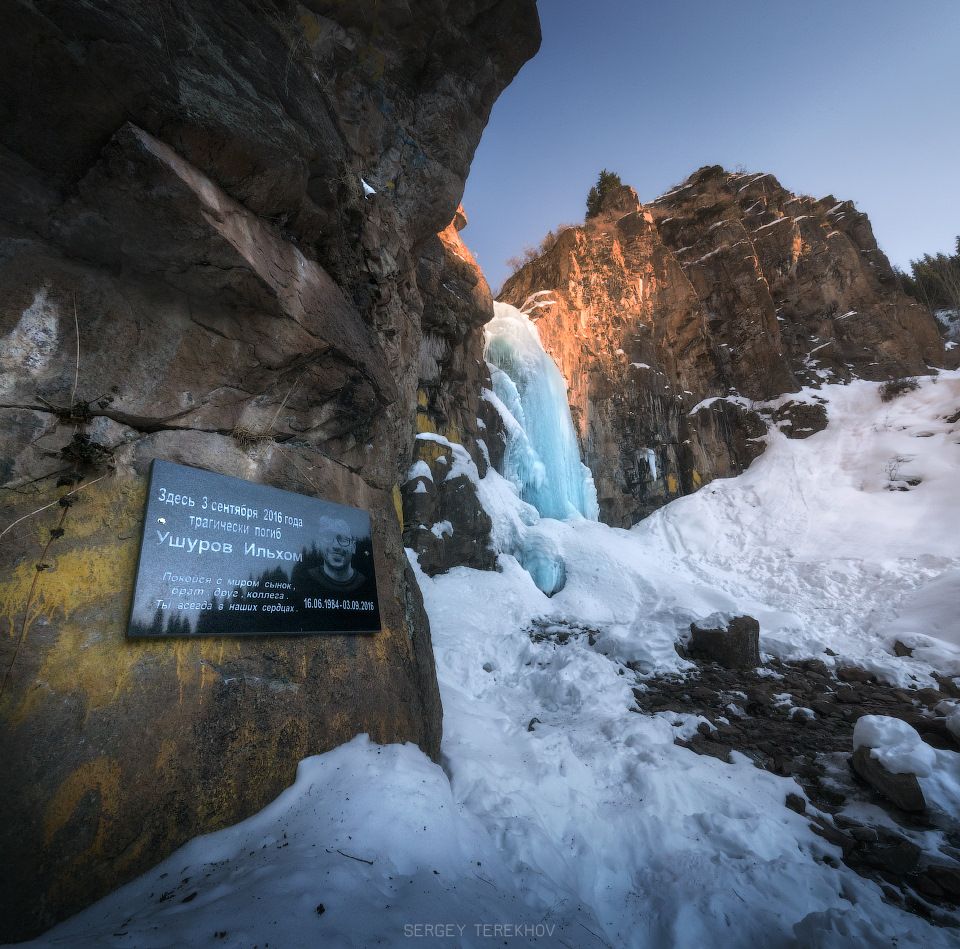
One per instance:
(651, 456)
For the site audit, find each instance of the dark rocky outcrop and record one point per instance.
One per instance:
(760, 713)
(194, 267)
(734, 646)
(670, 321)
(443, 520)
(800, 419)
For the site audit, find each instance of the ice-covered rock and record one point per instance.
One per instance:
(542, 560)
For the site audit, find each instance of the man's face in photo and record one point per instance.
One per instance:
(337, 547)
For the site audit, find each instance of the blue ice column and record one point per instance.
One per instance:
(543, 458)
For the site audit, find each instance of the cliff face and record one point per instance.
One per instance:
(193, 268)
(444, 521)
(824, 293)
(727, 290)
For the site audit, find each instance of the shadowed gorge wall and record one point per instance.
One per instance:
(216, 219)
(443, 520)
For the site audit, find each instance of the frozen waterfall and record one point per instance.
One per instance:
(542, 456)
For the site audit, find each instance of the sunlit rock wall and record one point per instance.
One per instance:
(670, 321)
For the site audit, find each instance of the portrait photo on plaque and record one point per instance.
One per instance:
(221, 556)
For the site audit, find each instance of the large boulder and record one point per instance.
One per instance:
(890, 756)
(800, 419)
(903, 789)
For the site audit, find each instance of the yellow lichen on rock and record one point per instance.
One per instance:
(311, 26)
(398, 504)
(259, 754)
(101, 775)
(167, 755)
(426, 425)
(85, 590)
(382, 646)
(429, 451)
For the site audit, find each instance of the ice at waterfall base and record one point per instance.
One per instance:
(592, 828)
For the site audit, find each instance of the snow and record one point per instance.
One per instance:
(462, 463)
(813, 535)
(532, 303)
(901, 750)
(932, 608)
(941, 789)
(420, 469)
(779, 220)
(953, 721)
(712, 253)
(895, 744)
(555, 805)
(706, 403)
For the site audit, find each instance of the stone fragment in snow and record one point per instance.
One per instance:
(736, 646)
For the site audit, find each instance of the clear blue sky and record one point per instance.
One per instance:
(858, 98)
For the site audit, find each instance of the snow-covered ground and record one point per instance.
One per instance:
(558, 817)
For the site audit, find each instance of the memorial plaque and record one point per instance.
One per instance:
(226, 557)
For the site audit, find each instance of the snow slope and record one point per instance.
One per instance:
(561, 818)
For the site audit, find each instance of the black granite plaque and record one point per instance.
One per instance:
(226, 557)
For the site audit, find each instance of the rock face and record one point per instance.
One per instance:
(670, 320)
(443, 520)
(194, 268)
